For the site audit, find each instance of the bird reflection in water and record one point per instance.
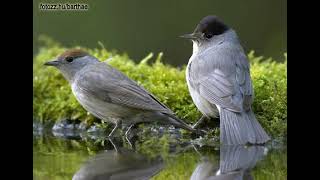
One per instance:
(236, 162)
(119, 163)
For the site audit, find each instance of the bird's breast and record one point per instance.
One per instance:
(204, 106)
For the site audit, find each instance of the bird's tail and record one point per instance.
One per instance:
(241, 128)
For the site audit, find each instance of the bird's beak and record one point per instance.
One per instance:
(192, 36)
(52, 63)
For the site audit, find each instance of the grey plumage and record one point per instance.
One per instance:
(109, 94)
(218, 77)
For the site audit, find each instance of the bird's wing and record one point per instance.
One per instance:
(243, 79)
(222, 80)
(105, 83)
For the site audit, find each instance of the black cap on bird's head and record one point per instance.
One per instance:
(208, 27)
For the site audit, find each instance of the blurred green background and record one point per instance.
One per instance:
(140, 27)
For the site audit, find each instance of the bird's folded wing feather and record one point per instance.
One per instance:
(217, 92)
(225, 82)
(105, 83)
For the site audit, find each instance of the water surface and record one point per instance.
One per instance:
(152, 157)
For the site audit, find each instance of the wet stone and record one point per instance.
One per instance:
(67, 134)
(95, 132)
(83, 126)
(37, 128)
(66, 124)
(67, 129)
(95, 129)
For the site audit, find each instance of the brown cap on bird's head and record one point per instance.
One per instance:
(74, 53)
(67, 56)
(72, 61)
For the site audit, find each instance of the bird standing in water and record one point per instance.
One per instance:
(219, 82)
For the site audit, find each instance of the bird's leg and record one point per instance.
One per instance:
(127, 133)
(203, 117)
(129, 128)
(113, 144)
(115, 128)
(129, 142)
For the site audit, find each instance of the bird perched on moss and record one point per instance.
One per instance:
(110, 95)
(218, 77)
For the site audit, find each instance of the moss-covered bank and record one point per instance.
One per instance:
(53, 100)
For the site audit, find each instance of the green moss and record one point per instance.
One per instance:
(53, 100)
(270, 86)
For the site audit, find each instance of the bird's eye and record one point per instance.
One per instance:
(208, 36)
(69, 59)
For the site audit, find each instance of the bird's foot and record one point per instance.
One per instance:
(128, 130)
(199, 122)
(127, 134)
(113, 144)
(114, 130)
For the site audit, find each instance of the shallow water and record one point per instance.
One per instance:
(152, 157)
